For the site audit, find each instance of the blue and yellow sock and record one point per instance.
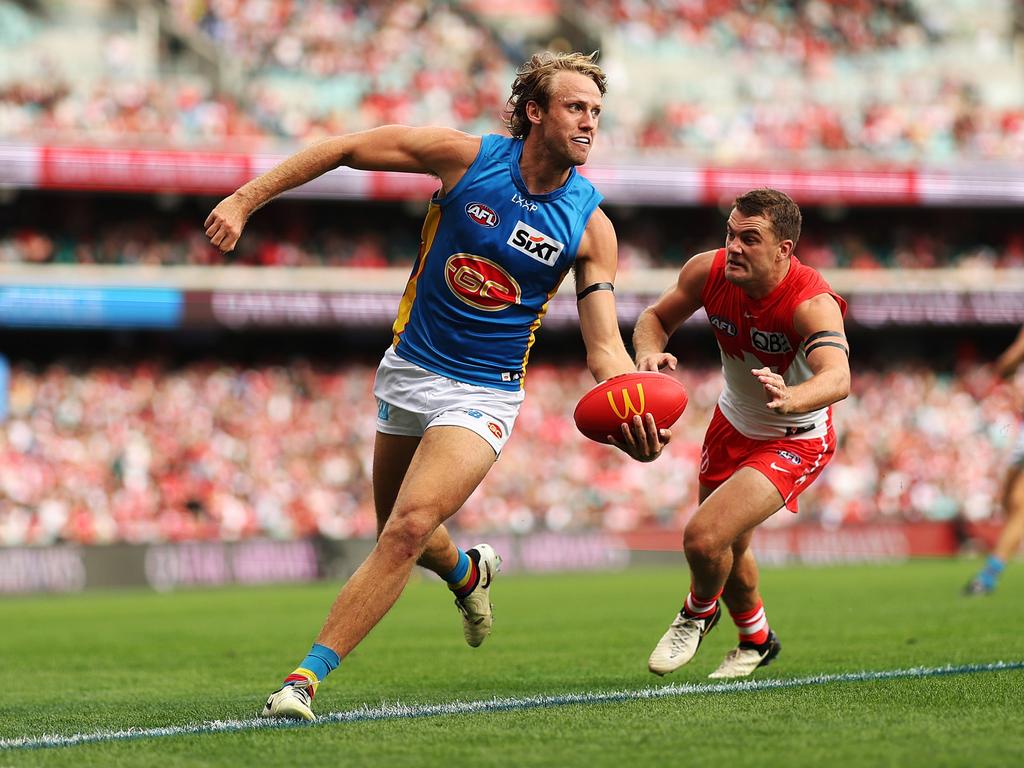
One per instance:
(989, 575)
(463, 578)
(317, 665)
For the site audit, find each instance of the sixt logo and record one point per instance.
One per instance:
(524, 202)
(792, 458)
(729, 329)
(772, 342)
(535, 244)
(627, 403)
(483, 215)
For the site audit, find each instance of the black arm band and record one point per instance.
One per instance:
(822, 335)
(808, 350)
(595, 287)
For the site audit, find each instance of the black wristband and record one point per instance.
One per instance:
(595, 287)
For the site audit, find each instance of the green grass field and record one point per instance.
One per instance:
(113, 661)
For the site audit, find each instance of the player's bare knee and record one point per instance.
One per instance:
(407, 535)
(702, 543)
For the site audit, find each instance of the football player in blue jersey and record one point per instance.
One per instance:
(1010, 537)
(510, 219)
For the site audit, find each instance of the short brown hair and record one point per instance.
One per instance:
(775, 206)
(533, 83)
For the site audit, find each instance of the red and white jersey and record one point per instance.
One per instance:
(758, 333)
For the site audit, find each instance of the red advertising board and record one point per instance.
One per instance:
(817, 545)
(136, 170)
(889, 187)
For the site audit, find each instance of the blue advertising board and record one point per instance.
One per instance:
(48, 306)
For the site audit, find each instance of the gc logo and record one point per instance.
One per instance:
(481, 283)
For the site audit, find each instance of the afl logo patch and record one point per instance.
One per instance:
(481, 283)
(792, 458)
(726, 327)
(482, 215)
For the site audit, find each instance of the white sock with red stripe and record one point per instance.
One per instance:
(752, 624)
(699, 608)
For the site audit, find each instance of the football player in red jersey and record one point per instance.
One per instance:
(785, 362)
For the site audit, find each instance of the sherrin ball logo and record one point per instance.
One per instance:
(481, 283)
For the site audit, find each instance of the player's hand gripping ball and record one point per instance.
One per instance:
(615, 401)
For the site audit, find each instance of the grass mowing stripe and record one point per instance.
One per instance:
(402, 711)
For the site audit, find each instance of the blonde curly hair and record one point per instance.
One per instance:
(533, 83)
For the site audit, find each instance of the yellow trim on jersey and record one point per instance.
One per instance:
(536, 324)
(427, 234)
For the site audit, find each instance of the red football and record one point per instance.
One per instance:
(603, 410)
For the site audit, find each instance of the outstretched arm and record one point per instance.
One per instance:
(657, 323)
(443, 152)
(1012, 357)
(820, 322)
(596, 262)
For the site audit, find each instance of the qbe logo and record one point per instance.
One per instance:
(772, 342)
(535, 244)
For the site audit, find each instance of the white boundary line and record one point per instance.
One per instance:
(398, 711)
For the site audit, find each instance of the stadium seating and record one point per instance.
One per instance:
(93, 230)
(147, 451)
(725, 81)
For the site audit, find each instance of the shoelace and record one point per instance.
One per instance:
(300, 688)
(678, 637)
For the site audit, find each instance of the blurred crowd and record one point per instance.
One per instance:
(94, 230)
(801, 76)
(800, 29)
(939, 121)
(148, 451)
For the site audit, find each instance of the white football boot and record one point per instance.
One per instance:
(476, 607)
(292, 701)
(744, 659)
(679, 644)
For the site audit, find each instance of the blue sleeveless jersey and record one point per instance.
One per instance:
(491, 257)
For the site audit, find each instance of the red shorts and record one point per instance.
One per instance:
(790, 463)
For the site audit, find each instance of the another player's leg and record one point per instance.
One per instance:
(1009, 538)
(741, 503)
(429, 495)
(758, 645)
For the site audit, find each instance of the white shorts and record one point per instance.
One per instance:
(410, 400)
